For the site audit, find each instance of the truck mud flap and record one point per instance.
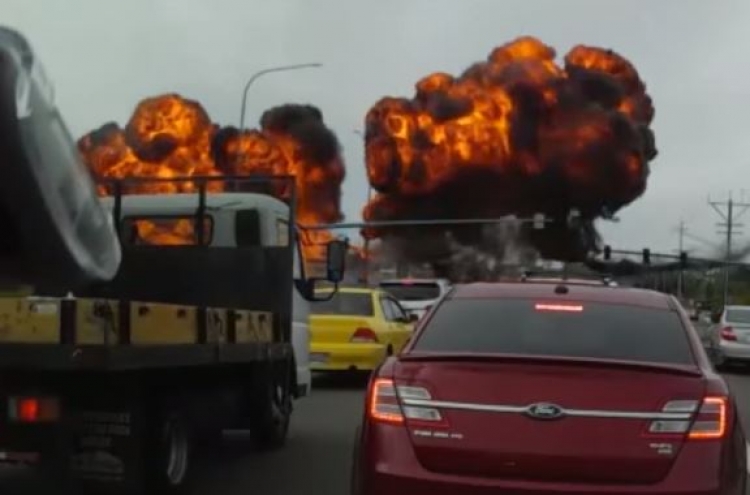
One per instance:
(104, 447)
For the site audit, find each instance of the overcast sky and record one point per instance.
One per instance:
(694, 55)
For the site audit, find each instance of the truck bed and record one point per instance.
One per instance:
(101, 333)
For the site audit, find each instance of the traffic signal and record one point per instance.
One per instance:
(646, 256)
(607, 253)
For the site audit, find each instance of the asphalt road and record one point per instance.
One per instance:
(317, 458)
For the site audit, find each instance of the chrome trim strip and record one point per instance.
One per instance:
(580, 413)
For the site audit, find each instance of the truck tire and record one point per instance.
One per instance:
(168, 454)
(271, 409)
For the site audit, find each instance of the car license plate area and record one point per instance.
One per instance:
(319, 357)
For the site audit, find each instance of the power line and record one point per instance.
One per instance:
(730, 211)
(696, 238)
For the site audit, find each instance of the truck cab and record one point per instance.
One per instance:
(231, 220)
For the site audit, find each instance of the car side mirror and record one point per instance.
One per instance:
(715, 317)
(412, 318)
(336, 260)
(694, 317)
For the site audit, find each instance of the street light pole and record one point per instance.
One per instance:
(366, 268)
(262, 73)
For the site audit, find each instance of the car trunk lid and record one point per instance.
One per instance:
(338, 318)
(336, 329)
(549, 420)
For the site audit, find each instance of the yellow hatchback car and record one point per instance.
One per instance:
(356, 330)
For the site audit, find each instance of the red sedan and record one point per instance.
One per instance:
(550, 387)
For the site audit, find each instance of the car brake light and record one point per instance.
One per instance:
(727, 333)
(575, 308)
(390, 403)
(709, 421)
(364, 335)
(33, 409)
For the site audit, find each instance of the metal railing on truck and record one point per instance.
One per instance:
(167, 305)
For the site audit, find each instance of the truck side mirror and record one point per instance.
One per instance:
(336, 260)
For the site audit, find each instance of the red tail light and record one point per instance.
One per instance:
(702, 421)
(711, 421)
(390, 403)
(33, 409)
(384, 406)
(364, 335)
(727, 333)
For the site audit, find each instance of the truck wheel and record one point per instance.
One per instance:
(168, 454)
(271, 414)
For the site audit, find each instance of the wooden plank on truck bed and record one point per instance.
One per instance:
(166, 324)
(216, 326)
(254, 326)
(35, 320)
(29, 320)
(96, 321)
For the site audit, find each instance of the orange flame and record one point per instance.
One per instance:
(169, 136)
(516, 134)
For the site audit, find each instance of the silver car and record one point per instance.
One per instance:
(731, 336)
(416, 296)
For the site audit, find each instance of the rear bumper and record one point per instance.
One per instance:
(346, 356)
(28, 444)
(387, 465)
(733, 350)
(18, 457)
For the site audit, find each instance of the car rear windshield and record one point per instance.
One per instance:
(416, 291)
(738, 315)
(345, 303)
(583, 330)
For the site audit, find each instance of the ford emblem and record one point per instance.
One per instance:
(543, 410)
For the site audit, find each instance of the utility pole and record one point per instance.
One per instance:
(727, 211)
(680, 276)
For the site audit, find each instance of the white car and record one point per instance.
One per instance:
(731, 336)
(416, 295)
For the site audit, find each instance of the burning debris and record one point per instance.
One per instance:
(170, 136)
(514, 135)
